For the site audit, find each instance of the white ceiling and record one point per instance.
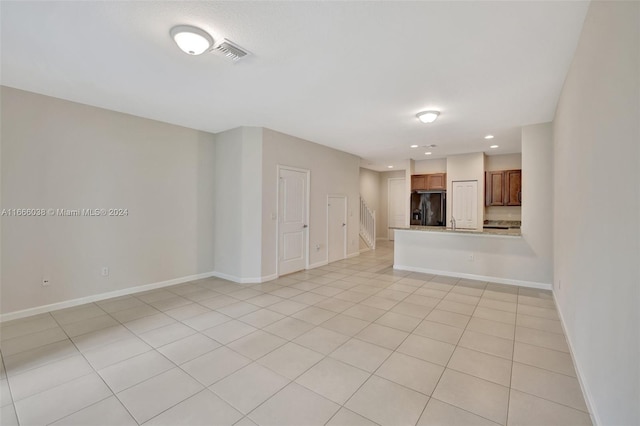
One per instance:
(350, 75)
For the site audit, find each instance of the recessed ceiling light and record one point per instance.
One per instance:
(489, 137)
(493, 146)
(428, 116)
(191, 40)
(414, 146)
(389, 167)
(427, 153)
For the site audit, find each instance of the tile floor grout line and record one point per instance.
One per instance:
(312, 366)
(373, 373)
(513, 350)
(350, 272)
(446, 366)
(94, 372)
(13, 401)
(152, 348)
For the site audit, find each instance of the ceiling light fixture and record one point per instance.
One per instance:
(428, 116)
(191, 40)
(414, 146)
(489, 137)
(389, 167)
(493, 146)
(427, 153)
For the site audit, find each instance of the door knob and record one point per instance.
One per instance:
(305, 226)
(344, 224)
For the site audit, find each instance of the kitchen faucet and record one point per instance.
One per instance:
(453, 223)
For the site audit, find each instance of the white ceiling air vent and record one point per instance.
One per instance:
(230, 50)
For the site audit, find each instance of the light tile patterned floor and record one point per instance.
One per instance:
(351, 343)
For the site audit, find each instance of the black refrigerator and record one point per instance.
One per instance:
(429, 208)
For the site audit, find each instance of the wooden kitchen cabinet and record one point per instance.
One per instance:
(437, 181)
(503, 188)
(494, 189)
(418, 182)
(513, 187)
(430, 182)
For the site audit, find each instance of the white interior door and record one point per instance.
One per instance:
(292, 220)
(336, 227)
(465, 204)
(397, 204)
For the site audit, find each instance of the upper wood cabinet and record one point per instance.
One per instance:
(503, 188)
(494, 189)
(418, 182)
(430, 182)
(513, 188)
(437, 181)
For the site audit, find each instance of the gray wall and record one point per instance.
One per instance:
(597, 205)
(60, 154)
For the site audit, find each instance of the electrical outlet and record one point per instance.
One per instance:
(317, 247)
(104, 271)
(471, 257)
(46, 282)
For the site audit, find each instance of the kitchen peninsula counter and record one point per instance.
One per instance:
(511, 232)
(502, 256)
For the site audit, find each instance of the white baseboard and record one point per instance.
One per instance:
(249, 280)
(318, 264)
(350, 255)
(101, 296)
(498, 280)
(588, 398)
(266, 278)
(364, 250)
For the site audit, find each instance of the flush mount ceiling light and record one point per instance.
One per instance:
(427, 153)
(191, 40)
(493, 146)
(389, 167)
(428, 116)
(414, 146)
(489, 137)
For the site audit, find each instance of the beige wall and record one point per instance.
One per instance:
(370, 188)
(502, 162)
(597, 204)
(332, 172)
(238, 174)
(466, 167)
(60, 154)
(537, 205)
(438, 165)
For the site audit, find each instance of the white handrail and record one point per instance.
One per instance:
(367, 224)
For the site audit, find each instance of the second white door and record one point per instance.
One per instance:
(465, 204)
(397, 204)
(336, 227)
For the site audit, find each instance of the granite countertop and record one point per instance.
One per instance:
(511, 232)
(503, 223)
